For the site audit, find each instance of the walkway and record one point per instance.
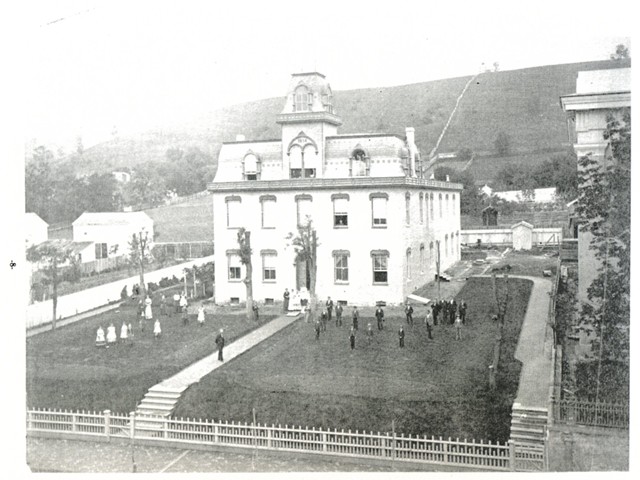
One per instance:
(196, 371)
(535, 345)
(162, 398)
(76, 318)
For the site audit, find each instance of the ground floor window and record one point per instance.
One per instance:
(341, 267)
(380, 268)
(234, 268)
(269, 268)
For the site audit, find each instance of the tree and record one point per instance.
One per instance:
(50, 255)
(604, 207)
(502, 144)
(139, 255)
(305, 245)
(244, 242)
(470, 197)
(464, 154)
(38, 183)
(621, 53)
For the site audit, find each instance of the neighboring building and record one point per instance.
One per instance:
(537, 195)
(598, 94)
(379, 221)
(36, 229)
(111, 231)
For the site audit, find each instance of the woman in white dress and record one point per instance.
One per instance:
(147, 309)
(100, 340)
(201, 315)
(111, 335)
(157, 331)
(124, 333)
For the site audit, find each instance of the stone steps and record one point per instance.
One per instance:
(159, 401)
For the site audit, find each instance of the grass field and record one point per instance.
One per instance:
(190, 221)
(66, 370)
(434, 387)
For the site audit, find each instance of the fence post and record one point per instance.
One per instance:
(165, 428)
(73, 421)
(215, 433)
(269, 435)
(107, 423)
(324, 441)
(512, 456)
(29, 420)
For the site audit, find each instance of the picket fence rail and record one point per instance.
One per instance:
(359, 444)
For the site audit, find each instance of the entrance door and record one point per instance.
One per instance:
(302, 275)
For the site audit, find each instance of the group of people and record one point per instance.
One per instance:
(145, 314)
(450, 310)
(452, 313)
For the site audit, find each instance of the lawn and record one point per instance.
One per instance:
(433, 387)
(531, 263)
(66, 370)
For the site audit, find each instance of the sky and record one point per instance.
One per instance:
(96, 67)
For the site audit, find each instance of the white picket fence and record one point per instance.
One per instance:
(366, 445)
(85, 300)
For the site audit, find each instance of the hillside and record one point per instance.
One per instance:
(524, 104)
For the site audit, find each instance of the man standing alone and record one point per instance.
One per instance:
(220, 344)
(408, 310)
(379, 317)
(355, 315)
(329, 306)
(401, 336)
(339, 315)
(352, 338)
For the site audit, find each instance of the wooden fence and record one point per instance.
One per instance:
(365, 445)
(591, 413)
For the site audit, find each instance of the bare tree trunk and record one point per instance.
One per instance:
(248, 282)
(313, 269)
(141, 244)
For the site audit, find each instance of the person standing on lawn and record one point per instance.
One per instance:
(380, 317)
(285, 300)
(183, 301)
(220, 344)
(453, 311)
(408, 311)
(329, 305)
(157, 330)
(354, 316)
(434, 312)
(306, 313)
(100, 340)
(201, 315)
(163, 305)
(111, 335)
(369, 329)
(339, 315)
(427, 321)
(176, 302)
(401, 336)
(148, 314)
(185, 316)
(323, 320)
(124, 333)
(317, 329)
(256, 313)
(130, 329)
(463, 310)
(352, 338)
(458, 326)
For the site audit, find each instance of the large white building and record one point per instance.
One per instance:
(599, 93)
(379, 222)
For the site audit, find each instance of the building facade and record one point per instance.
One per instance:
(599, 93)
(379, 222)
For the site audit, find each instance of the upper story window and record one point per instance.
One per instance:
(234, 202)
(446, 204)
(379, 209)
(420, 200)
(453, 204)
(327, 102)
(340, 210)
(298, 165)
(251, 167)
(408, 263)
(303, 99)
(303, 204)
(341, 266)
(234, 265)
(380, 259)
(269, 211)
(421, 257)
(440, 205)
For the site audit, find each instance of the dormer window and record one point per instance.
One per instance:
(303, 99)
(251, 167)
(359, 163)
(327, 103)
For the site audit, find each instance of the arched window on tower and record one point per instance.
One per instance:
(251, 167)
(303, 99)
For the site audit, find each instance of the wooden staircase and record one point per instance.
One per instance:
(528, 435)
(159, 401)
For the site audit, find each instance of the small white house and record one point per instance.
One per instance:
(36, 229)
(111, 231)
(538, 195)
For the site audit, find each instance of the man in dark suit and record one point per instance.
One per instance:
(401, 336)
(463, 310)
(408, 311)
(339, 315)
(329, 305)
(380, 317)
(220, 344)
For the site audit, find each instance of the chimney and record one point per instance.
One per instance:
(240, 138)
(413, 150)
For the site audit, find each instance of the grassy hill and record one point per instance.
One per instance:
(188, 221)
(524, 104)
